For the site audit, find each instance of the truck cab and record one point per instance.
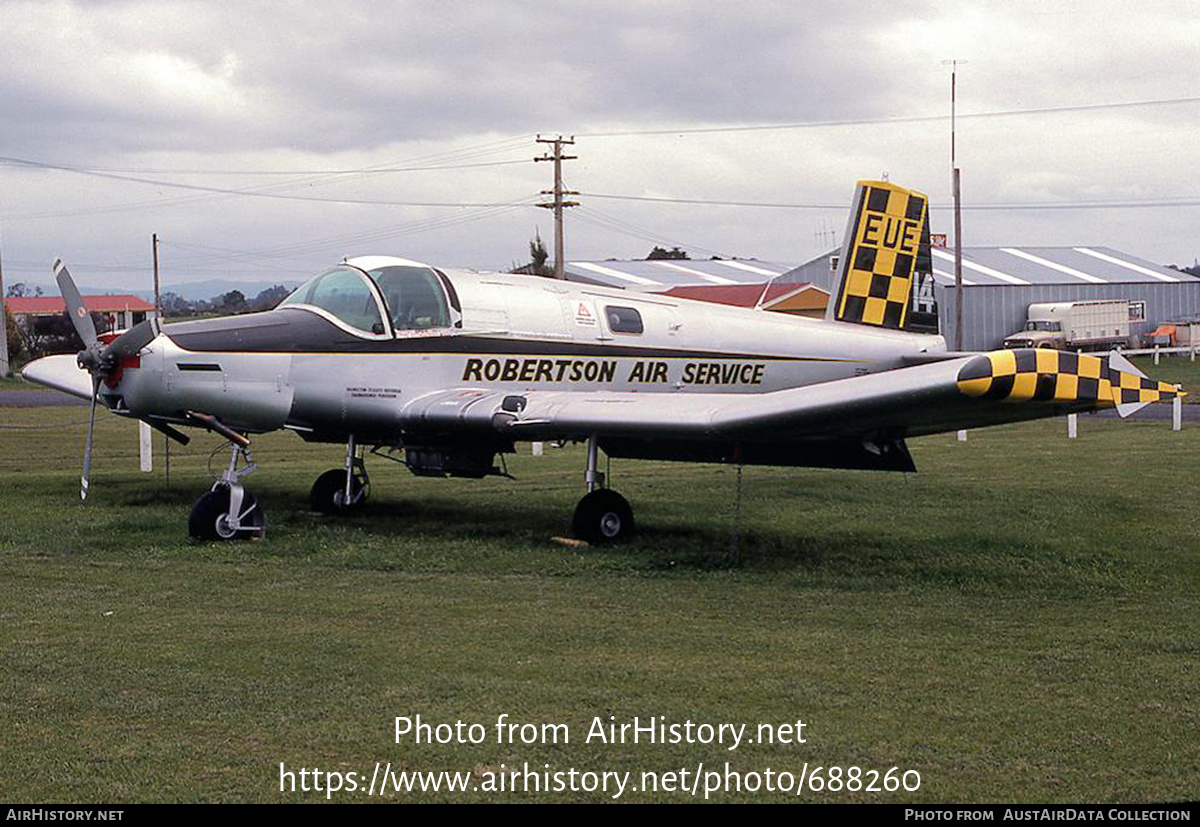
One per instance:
(1083, 325)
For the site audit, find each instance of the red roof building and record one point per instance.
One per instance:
(789, 297)
(123, 310)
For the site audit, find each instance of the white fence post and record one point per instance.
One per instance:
(1072, 426)
(145, 447)
(1156, 354)
(1177, 413)
(962, 436)
(537, 449)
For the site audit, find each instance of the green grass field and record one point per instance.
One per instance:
(1175, 369)
(1017, 622)
(16, 383)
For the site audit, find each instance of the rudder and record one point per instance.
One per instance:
(886, 269)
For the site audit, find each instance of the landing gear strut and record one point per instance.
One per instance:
(341, 490)
(229, 511)
(603, 515)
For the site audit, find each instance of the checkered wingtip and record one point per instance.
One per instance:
(1057, 376)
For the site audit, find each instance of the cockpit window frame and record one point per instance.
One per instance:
(449, 302)
(388, 331)
(456, 316)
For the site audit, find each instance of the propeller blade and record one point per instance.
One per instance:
(87, 446)
(131, 341)
(80, 317)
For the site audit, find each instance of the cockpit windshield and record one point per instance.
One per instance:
(344, 293)
(414, 297)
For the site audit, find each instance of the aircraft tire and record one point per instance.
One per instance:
(328, 491)
(603, 516)
(210, 515)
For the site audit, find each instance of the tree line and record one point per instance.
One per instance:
(40, 336)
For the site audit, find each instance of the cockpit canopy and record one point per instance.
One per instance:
(409, 295)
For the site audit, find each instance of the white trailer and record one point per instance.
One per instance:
(1086, 325)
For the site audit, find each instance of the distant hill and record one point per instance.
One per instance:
(194, 290)
(190, 290)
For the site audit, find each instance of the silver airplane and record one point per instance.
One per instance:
(454, 368)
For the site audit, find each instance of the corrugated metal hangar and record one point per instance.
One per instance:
(999, 284)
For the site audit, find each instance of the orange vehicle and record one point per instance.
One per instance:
(1164, 336)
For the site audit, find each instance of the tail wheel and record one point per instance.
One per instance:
(209, 519)
(328, 494)
(603, 516)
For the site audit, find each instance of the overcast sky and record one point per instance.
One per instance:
(190, 93)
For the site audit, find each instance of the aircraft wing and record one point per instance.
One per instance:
(966, 392)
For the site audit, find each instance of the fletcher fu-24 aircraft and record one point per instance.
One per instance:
(455, 368)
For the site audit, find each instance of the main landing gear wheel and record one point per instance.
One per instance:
(603, 516)
(210, 517)
(328, 495)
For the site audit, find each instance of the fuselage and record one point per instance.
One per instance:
(348, 358)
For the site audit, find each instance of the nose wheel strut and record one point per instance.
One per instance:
(229, 511)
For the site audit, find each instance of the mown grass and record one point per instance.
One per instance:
(1174, 369)
(1017, 622)
(14, 382)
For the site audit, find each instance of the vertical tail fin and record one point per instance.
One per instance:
(885, 265)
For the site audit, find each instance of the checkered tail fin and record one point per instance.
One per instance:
(886, 271)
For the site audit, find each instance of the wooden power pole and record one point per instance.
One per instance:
(157, 298)
(558, 203)
(3, 329)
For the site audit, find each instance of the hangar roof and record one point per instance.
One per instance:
(1020, 266)
(661, 275)
(1050, 265)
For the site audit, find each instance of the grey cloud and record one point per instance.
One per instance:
(245, 85)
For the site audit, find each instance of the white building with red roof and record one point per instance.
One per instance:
(123, 311)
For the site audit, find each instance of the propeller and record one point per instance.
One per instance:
(98, 359)
(87, 446)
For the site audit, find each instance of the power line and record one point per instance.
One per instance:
(1173, 201)
(258, 172)
(293, 252)
(1000, 113)
(460, 155)
(208, 258)
(590, 215)
(246, 192)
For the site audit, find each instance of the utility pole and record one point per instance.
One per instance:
(955, 183)
(558, 203)
(3, 329)
(157, 298)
